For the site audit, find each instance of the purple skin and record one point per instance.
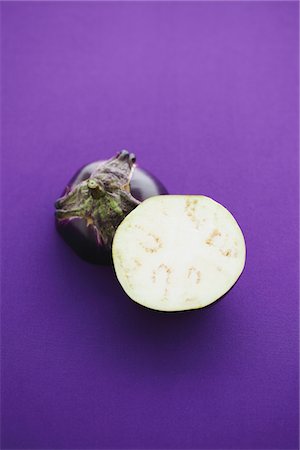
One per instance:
(97, 199)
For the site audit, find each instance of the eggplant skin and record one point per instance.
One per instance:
(82, 238)
(83, 241)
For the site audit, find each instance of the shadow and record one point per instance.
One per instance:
(172, 343)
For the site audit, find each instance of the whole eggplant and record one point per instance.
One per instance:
(96, 200)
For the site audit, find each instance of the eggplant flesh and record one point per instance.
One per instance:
(178, 252)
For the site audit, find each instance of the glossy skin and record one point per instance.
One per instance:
(97, 199)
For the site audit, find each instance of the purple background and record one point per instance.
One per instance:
(206, 95)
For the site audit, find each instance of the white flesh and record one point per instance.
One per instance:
(178, 252)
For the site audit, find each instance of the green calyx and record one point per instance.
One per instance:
(103, 200)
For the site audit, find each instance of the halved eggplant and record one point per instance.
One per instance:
(178, 252)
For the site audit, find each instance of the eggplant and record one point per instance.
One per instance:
(96, 200)
(178, 252)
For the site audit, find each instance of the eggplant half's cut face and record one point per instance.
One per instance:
(178, 252)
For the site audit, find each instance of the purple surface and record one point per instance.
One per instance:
(206, 95)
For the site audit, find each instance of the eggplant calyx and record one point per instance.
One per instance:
(103, 200)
